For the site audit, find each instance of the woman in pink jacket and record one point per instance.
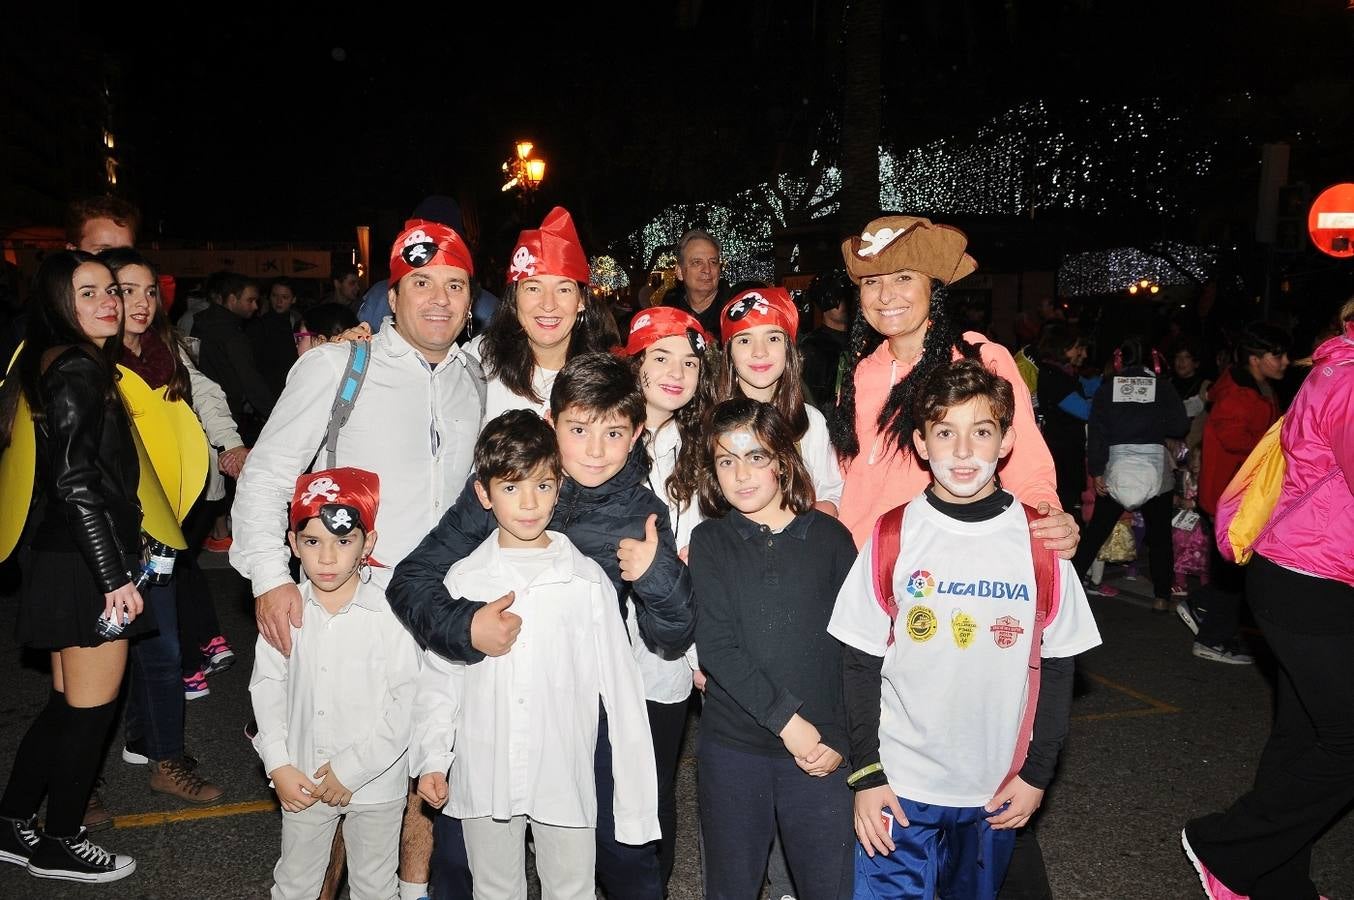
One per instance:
(1300, 585)
(901, 334)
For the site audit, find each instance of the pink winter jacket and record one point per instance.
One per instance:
(880, 477)
(1312, 528)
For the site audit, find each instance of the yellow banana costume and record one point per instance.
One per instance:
(170, 445)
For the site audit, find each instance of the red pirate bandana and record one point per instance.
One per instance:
(552, 249)
(343, 499)
(759, 306)
(423, 243)
(652, 325)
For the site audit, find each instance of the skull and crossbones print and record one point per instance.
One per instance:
(877, 241)
(750, 303)
(418, 248)
(523, 263)
(324, 487)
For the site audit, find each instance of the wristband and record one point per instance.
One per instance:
(863, 772)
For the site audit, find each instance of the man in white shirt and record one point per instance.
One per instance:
(413, 423)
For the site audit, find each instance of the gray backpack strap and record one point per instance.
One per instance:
(345, 398)
(476, 370)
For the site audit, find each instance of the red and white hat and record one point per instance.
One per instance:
(423, 243)
(552, 249)
(759, 306)
(652, 325)
(343, 499)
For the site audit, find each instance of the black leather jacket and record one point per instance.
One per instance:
(87, 470)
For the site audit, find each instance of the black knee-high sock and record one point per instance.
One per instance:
(75, 763)
(32, 762)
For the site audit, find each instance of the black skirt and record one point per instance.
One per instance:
(60, 602)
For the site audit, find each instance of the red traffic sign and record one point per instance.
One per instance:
(1331, 221)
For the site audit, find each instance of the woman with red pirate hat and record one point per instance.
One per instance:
(545, 318)
(676, 362)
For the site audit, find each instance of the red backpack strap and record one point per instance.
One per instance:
(885, 543)
(1047, 595)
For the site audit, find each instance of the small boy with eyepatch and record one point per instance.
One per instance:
(334, 717)
(510, 740)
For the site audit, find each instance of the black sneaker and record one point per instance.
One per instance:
(18, 840)
(77, 859)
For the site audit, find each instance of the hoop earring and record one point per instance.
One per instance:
(364, 571)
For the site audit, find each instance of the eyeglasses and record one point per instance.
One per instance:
(302, 335)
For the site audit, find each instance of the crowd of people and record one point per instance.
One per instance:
(491, 573)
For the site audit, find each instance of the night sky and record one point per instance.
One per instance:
(244, 122)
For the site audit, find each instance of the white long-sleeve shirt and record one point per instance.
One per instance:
(518, 731)
(212, 410)
(345, 696)
(499, 399)
(815, 447)
(665, 680)
(413, 425)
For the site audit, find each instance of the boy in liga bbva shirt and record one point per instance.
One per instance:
(935, 701)
(334, 717)
(510, 740)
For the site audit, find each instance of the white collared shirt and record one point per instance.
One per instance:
(413, 425)
(345, 696)
(519, 731)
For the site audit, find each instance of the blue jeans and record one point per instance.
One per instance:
(944, 851)
(745, 797)
(154, 723)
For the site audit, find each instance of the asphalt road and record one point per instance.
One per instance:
(1157, 736)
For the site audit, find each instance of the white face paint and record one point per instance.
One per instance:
(963, 477)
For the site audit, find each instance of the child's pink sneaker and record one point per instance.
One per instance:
(1213, 888)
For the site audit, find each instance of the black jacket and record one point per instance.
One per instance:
(1132, 423)
(227, 357)
(87, 470)
(709, 318)
(595, 520)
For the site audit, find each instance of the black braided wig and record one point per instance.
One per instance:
(895, 419)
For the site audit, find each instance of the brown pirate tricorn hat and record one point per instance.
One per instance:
(890, 243)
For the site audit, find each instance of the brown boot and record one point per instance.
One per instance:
(172, 776)
(97, 816)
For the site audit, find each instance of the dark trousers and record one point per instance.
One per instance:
(1262, 845)
(197, 619)
(1026, 875)
(667, 724)
(744, 797)
(154, 715)
(624, 871)
(1221, 598)
(1156, 513)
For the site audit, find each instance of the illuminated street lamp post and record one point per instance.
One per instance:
(524, 171)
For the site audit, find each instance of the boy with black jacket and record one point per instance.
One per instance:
(607, 510)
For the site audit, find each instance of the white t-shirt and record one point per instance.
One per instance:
(955, 678)
(820, 459)
(498, 399)
(665, 680)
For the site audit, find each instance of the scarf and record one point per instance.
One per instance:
(155, 365)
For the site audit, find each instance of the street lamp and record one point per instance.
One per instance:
(1144, 286)
(524, 170)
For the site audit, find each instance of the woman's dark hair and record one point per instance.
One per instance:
(180, 384)
(513, 445)
(684, 481)
(788, 398)
(1055, 340)
(1258, 339)
(52, 323)
(1133, 351)
(506, 352)
(770, 427)
(329, 319)
(895, 419)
